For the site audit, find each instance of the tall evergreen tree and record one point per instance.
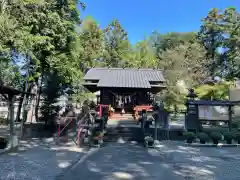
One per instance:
(116, 45)
(91, 41)
(211, 37)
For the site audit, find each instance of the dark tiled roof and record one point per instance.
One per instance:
(118, 77)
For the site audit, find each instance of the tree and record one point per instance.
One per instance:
(116, 45)
(52, 90)
(143, 55)
(91, 41)
(50, 28)
(218, 91)
(163, 42)
(185, 63)
(231, 43)
(211, 36)
(43, 31)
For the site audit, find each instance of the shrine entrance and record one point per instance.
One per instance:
(126, 98)
(125, 89)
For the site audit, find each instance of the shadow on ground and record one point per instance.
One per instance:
(120, 161)
(39, 159)
(201, 163)
(171, 161)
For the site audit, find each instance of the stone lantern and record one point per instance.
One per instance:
(191, 94)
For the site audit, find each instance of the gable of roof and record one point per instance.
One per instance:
(129, 77)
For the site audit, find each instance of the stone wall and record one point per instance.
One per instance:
(162, 134)
(38, 130)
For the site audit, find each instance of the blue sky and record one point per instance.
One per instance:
(140, 17)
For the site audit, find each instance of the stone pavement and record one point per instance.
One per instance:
(171, 160)
(202, 163)
(38, 160)
(122, 161)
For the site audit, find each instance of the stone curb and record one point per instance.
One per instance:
(77, 162)
(211, 145)
(8, 150)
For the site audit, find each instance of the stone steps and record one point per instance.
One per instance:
(113, 134)
(121, 117)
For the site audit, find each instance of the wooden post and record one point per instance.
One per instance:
(197, 119)
(155, 125)
(143, 121)
(230, 118)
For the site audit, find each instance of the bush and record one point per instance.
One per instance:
(216, 137)
(237, 137)
(235, 124)
(229, 137)
(203, 137)
(189, 136)
(3, 142)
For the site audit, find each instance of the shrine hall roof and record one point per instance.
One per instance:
(124, 77)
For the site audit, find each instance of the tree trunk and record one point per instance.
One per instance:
(11, 118)
(20, 103)
(32, 103)
(39, 89)
(24, 102)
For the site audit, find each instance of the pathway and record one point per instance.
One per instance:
(39, 160)
(121, 161)
(171, 161)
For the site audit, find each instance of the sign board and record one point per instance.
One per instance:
(191, 118)
(234, 95)
(213, 113)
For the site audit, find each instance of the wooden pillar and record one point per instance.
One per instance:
(198, 123)
(230, 118)
(143, 114)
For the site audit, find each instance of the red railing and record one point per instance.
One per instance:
(101, 106)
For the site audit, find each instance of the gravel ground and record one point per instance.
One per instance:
(202, 163)
(172, 160)
(38, 160)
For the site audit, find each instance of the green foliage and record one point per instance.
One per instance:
(189, 135)
(45, 33)
(185, 63)
(80, 94)
(220, 29)
(210, 35)
(116, 45)
(236, 124)
(164, 42)
(237, 137)
(228, 136)
(52, 90)
(142, 55)
(218, 91)
(91, 41)
(10, 74)
(52, 37)
(203, 136)
(216, 136)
